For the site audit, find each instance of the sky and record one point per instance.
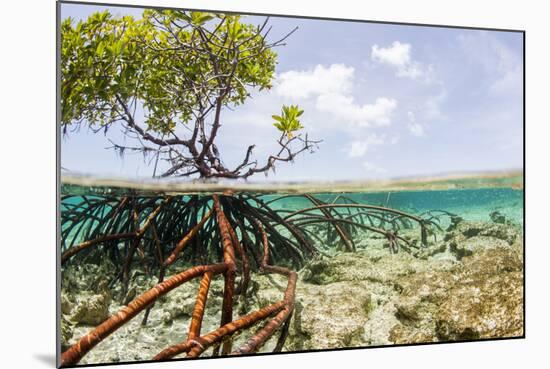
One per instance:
(387, 101)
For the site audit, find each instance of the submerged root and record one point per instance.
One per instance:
(223, 233)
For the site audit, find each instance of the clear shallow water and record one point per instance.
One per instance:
(472, 204)
(473, 199)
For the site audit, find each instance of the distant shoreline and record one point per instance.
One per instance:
(512, 179)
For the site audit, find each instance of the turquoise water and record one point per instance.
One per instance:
(471, 204)
(475, 204)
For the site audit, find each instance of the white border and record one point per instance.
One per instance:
(28, 181)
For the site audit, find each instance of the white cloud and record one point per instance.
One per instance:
(359, 148)
(414, 127)
(431, 108)
(373, 168)
(346, 109)
(398, 56)
(331, 87)
(510, 82)
(335, 79)
(501, 63)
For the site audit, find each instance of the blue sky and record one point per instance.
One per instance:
(387, 100)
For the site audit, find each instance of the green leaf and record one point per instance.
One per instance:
(288, 121)
(105, 56)
(205, 18)
(100, 48)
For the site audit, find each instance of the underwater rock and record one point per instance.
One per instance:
(270, 288)
(66, 332)
(455, 220)
(414, 321)
(178, 307)
(400, 335)
(498, 217)
(130, 295)
(217, 286)
(67, 302)
(356, 299)
(408, 310)
(465, 230)
(476, 244)
(382, 315)
(91, 310)
(468, 238)
(433, 250)
(483, 308)
(492, 262)
(427, 287)
(179, 303)
(504, 232)
(361, 266)
(331, 316)
(480, 297)
(87, 276)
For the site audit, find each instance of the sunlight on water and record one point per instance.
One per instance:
(100, 185)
